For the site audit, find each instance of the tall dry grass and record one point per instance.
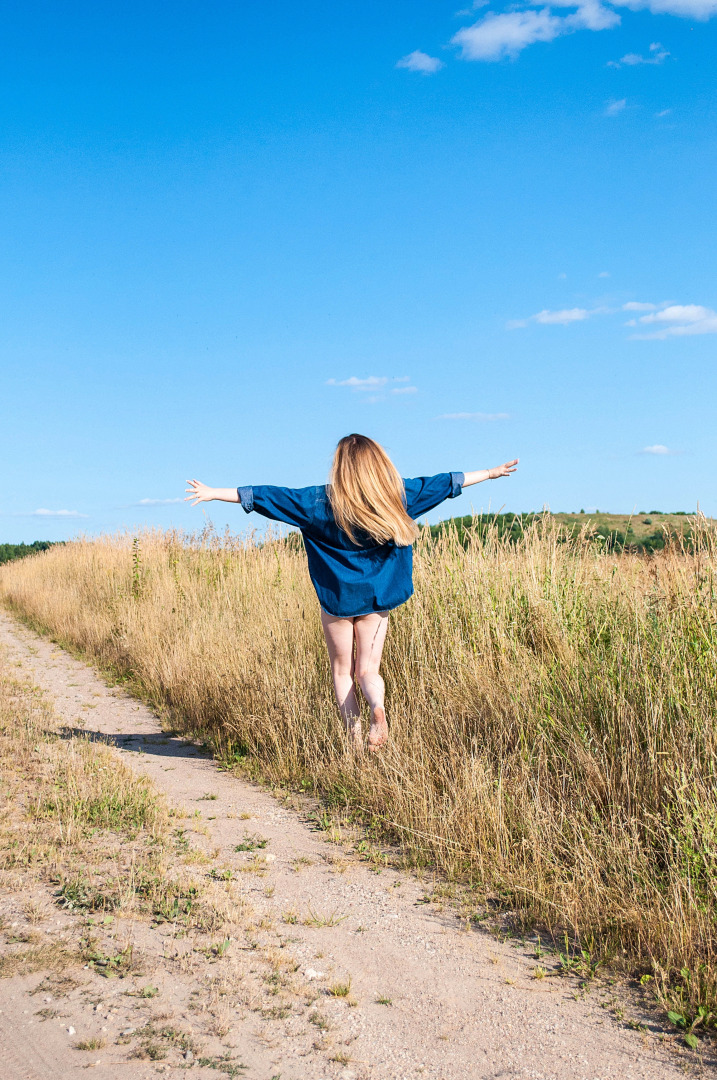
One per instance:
(552, 711)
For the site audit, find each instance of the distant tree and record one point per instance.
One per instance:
(8, 552)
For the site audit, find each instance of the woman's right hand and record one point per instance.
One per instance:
(503, 470)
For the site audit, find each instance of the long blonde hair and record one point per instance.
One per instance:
(366, 493)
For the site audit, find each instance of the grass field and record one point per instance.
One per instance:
(638, 533)
(552, 705)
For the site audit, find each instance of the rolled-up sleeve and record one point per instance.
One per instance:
(246, 498)
(425, 492)
(294, 506)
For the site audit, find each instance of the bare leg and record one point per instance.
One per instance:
(339, 634)
(370, 635)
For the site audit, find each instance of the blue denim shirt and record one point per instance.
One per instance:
(351, 579)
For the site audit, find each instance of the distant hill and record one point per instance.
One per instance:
(8, 552)
(636, 532)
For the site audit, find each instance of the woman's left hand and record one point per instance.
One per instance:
(198, 492)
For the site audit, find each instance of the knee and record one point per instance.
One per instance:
(365, 673)
(343, 671)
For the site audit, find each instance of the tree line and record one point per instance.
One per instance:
(8, 552)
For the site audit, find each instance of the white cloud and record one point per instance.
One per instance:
(562, 318)
(590, 14)
(690, 313)
(658, 449)
(420, 61)
(614, 107)
(498, 35)
(652, 321)
(686, 9)
(664, 112)
(475, 6)
(657, 55)
(677, 320)
(506, 34)
(55, 513)
(477, 417)
(604, 273)
(373, 382)
(158, 502)
(552, 318)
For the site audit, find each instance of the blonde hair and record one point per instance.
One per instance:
(366, 493)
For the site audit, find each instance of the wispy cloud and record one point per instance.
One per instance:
(604, 274)
(506, 34)
(687, 9)
(500, 35)
(651, 321)
(374, 383)
(658, 450)
(54, 513)
(158, 502)
(657, 54)
(563, 317)
(476, 417)
(497, 36)
(613, 108)
(475, 6)
(677, 320)
(663, 112)
(421, 62)
(637, 305)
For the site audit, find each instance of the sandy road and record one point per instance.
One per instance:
(462, 1005)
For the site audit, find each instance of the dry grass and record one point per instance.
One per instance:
(552, 710)
(66, 797)
(77, 823)
(48, 956)
(81, 836)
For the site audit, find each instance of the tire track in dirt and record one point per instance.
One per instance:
(461, 1004)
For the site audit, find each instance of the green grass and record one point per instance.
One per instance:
(639, 532)
(251, 843)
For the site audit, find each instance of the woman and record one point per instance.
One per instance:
(358, 531)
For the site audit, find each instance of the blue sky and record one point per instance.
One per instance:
(232, 233)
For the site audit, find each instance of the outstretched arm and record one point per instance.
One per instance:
(294, 506)
(479, 475)
(199, 492)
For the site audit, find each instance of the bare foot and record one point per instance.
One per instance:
(353, 730)
(378, 732)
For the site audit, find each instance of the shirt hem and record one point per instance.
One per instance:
(359, 614)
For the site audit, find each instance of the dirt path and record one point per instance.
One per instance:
(456, 1005)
